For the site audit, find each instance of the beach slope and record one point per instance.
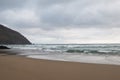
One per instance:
(21, 68)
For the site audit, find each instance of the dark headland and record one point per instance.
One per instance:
(9, 36)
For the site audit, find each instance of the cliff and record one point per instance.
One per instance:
(9, 36)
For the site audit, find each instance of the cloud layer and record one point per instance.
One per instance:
(63, 21)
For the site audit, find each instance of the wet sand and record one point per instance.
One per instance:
(21, 68)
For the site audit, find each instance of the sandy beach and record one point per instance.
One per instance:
(21, 68)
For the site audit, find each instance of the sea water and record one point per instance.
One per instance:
(86, 53)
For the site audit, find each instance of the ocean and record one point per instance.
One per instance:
(84, 53)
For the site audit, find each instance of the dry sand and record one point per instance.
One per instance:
(21, 68)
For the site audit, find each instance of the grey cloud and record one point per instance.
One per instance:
(96, 14)
(61, 13)
(11, 4)
(56, 19)
(47, 3)
(63, 16)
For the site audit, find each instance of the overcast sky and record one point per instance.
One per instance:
(63, 21)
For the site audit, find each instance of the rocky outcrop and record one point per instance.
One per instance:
(4, 47)
(9, 36)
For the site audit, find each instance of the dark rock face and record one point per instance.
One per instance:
(9, 36)
(4, 47)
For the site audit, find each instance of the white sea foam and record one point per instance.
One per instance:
(81, 58)
(94, 53)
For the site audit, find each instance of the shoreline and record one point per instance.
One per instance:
(22, 68)
(7, 53)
